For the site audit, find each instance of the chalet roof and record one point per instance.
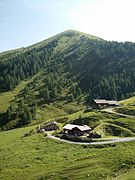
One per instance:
(104, 101)
(113, 102)
(100, 101)
(72, 126)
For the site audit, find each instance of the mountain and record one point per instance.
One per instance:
(103, 69)
(69, 67)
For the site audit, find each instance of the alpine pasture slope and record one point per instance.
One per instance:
(55, 80)
(65, 71)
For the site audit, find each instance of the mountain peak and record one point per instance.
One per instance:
(71, 32)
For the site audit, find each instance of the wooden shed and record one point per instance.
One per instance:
(50, 126)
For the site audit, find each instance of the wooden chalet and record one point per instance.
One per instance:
(50, 126)
(102, 103)
(76, 130)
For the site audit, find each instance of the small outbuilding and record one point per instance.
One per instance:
(76, 130)
(50, 126)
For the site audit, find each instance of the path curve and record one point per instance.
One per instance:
(111, 110)
(115, 140)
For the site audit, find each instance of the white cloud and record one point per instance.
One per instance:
(110, 19)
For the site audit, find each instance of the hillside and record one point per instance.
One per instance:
(62, 74)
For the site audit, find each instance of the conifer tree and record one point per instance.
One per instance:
(29, 117)
(47, 94)
(9, 113)
(72, 97)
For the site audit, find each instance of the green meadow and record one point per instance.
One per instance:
(37, 157)
(128, 106)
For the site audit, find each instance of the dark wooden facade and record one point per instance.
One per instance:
(103, 103)
(76, 130)
(51, 126)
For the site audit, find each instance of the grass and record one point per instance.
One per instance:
(128, 106)
(113, 130)
(130, 175)
(128, 123)
(129, 101)
(127, 109)
(48, 113)
(7, 97)
(33, 158)
(53, 112)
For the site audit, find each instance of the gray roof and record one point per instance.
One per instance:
(100, 101)
(113, 102)
(71, 126)
(104, 101)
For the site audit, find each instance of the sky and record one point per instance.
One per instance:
(25, 22)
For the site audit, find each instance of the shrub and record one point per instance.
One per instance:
(31, 132)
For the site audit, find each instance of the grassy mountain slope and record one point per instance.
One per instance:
(53, 80)
(14, 103)
(66, 71)
(92, 61)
